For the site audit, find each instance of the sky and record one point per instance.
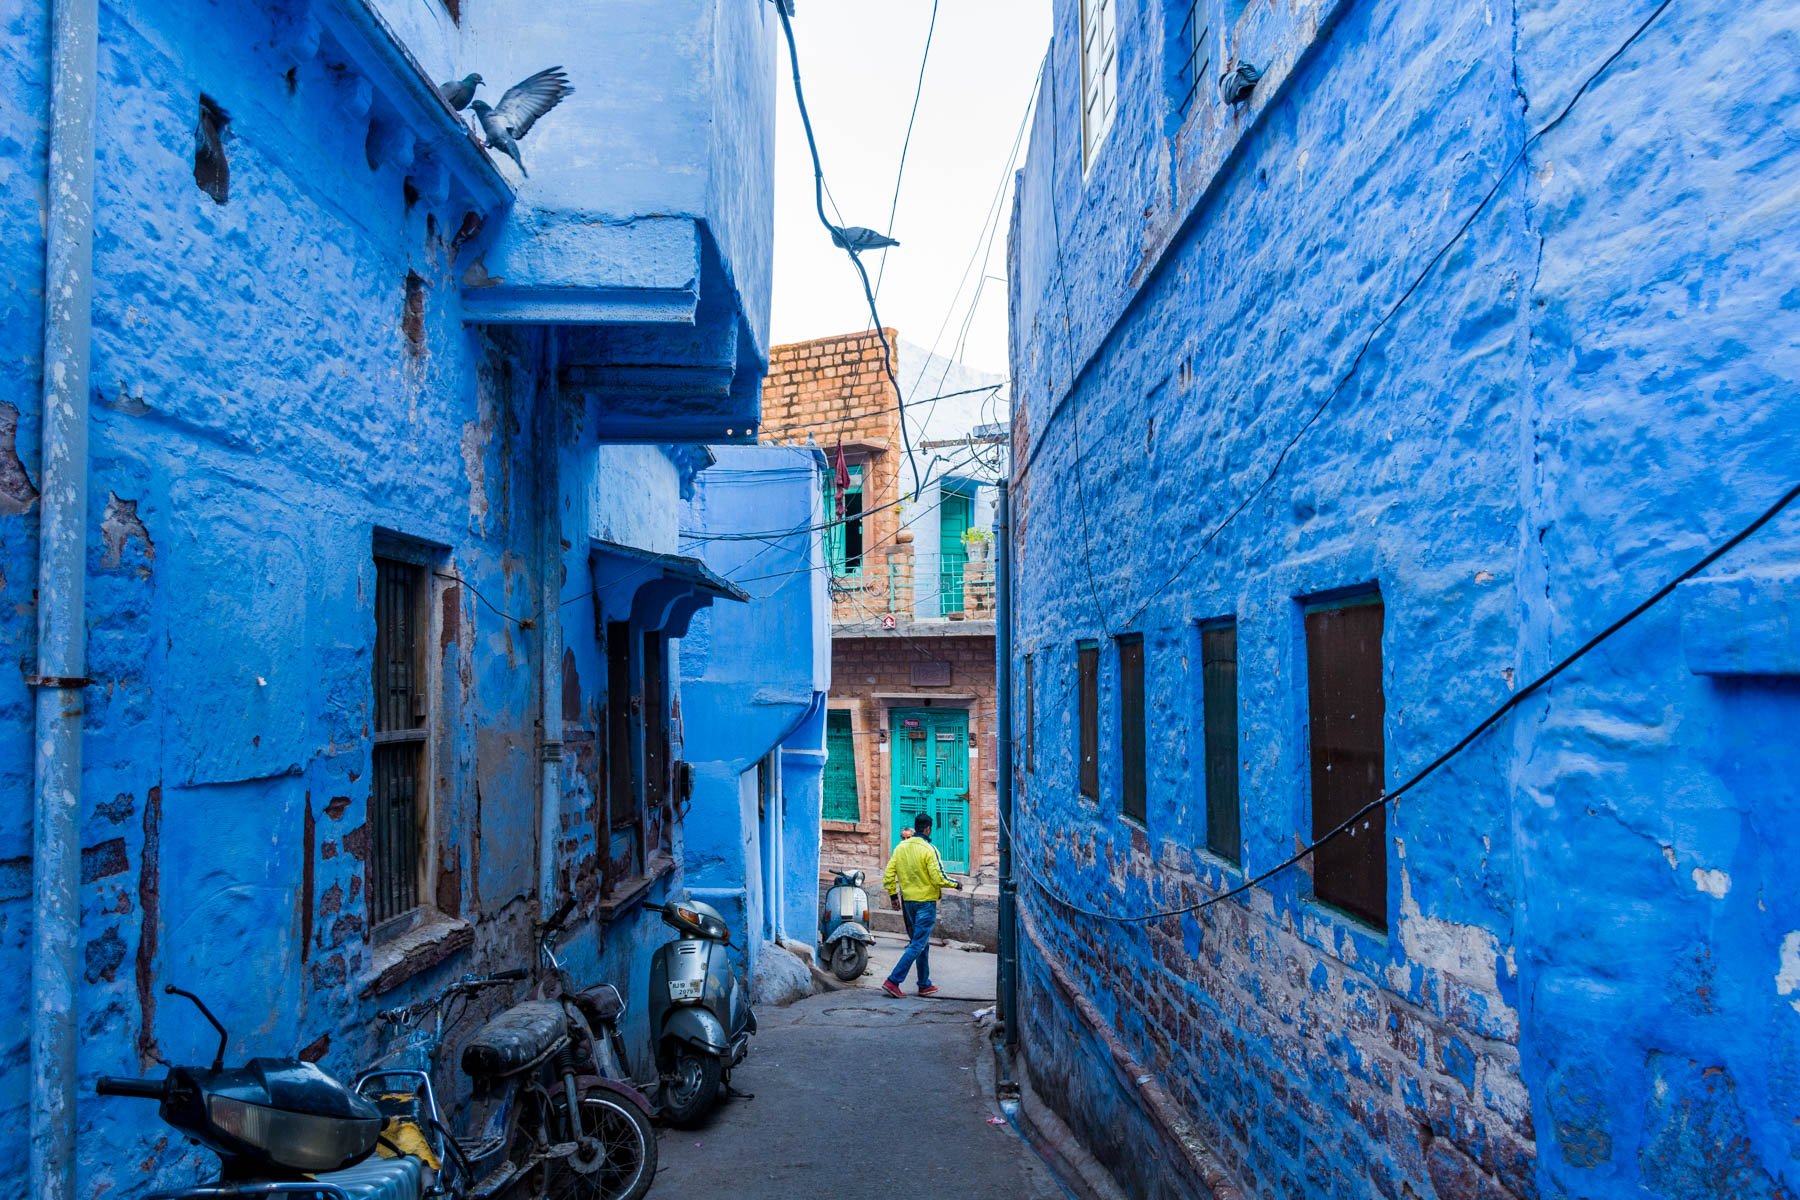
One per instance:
(859, 65)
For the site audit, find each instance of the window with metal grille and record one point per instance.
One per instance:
(1087, 678)
(1099, 75)
(1219, 733)
(844, 533)
(1189, 54)
(1131, 726)
(1030, 713)
(841, 803)
(402, 717)
(1345, 710)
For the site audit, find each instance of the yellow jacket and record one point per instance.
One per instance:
(916, 871)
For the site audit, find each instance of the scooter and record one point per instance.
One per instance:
(699, 1014)
(548, 1116)
(844, 926)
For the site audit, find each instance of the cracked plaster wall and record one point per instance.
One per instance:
(1583, 988)
(258, 415)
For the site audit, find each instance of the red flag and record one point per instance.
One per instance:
(841, 479)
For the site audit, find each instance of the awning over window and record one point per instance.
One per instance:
(654, 591)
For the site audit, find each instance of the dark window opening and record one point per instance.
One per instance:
(1087, 673)
(656, 741)
(1132, 799)
(396, 794)
(1346, 709)
(621, 829)
(841, 802)
(844, 533)
(211, 170)
(1030, 713)
(413, 319)
(1219, 730)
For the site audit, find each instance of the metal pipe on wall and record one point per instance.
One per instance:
(1008, 965)
(61, 596)
(550, 714)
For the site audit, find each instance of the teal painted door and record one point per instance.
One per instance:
(954, 515)
(931, 775)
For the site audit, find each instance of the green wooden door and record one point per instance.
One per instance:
(840, 769)
(931, 775)
(954, 515)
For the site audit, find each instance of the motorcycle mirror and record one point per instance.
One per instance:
(218, 1063)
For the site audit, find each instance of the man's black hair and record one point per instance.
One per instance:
(922, 823)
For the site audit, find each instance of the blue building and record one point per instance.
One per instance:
(1321, 453)
(339, 500)
(755, 678)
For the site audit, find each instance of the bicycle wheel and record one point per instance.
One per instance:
(617, 1160)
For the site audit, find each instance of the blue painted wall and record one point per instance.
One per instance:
(754, 681)
(1587, 985)
(263, 405)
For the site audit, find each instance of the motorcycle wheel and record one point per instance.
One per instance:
(622, 1165)
(849, 960)
(693, 1089)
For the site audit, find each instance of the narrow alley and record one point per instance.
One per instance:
(878, 1097)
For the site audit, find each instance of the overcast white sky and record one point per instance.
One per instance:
(859, 62)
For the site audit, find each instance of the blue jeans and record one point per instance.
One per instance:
(921, 918)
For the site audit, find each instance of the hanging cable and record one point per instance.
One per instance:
(906, 143)
(812, 145)
(1389, 796)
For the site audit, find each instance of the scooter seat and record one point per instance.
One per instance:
(516, 1038)
(377, 1178)
(600, 1003)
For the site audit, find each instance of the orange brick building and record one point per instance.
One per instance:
(912, 709)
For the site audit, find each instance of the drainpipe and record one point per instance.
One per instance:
(550, 715)
(61, 588)
(1008, 966)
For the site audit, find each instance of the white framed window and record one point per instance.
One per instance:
(1099, 75)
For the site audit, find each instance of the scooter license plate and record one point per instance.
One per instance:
(686, 989)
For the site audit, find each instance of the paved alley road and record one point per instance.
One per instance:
(812, 1130)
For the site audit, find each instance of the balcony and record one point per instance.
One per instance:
(888, 594)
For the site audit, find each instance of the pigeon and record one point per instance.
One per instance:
(518, 110)
(1237, 84)
(211, 170)
(855, 238)
(458, 92)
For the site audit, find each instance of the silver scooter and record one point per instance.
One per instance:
(699, 1013)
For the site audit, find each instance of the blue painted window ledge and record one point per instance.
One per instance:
(1745, 624)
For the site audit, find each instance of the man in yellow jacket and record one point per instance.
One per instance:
(914, 880)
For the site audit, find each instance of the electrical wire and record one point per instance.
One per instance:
(906, 143)
(812, 145)
(1389, 796)
(864, 416)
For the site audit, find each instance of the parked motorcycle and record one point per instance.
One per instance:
(844, 926)
(550, 1115)
(699, 1014)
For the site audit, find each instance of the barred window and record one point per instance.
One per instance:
(1346, 708)
(1087, 673)
(402, 720)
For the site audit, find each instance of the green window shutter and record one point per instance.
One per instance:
(843, 536)
(840, 769)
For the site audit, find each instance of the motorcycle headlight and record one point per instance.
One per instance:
(686, 989)
(299, 1141)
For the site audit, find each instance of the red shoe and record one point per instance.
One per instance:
(893, 989)
(928, 991)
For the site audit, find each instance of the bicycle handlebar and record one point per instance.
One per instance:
(561, 915)
(116, 1085)
(407, 1012)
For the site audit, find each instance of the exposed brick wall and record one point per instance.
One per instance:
(836, 391)
(861, 668)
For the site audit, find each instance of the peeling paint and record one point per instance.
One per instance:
(121, 525)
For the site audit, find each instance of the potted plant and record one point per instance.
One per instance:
(979, 542)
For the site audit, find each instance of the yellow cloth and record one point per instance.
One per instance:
(915, 871)
(407, 1138)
